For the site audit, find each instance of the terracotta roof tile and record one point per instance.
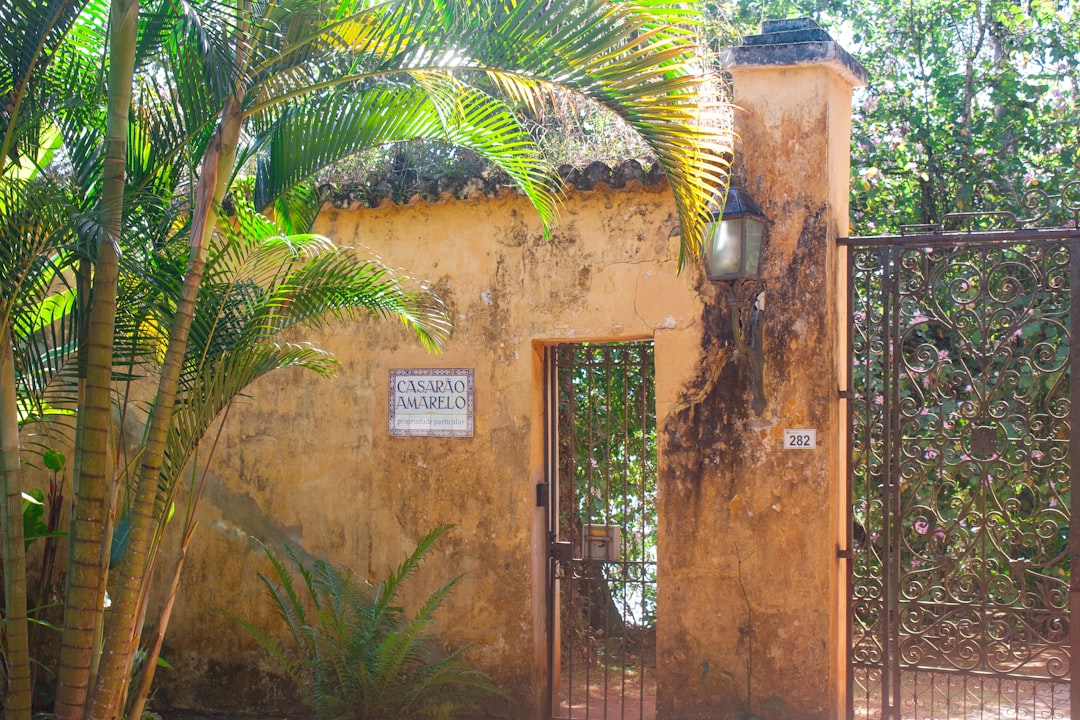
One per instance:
(470, 187)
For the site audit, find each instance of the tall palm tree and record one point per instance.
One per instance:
(290, 87)
(260, 281)
(37, 331)
(46, 46)
(84, 601)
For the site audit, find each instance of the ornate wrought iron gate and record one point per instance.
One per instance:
(963, 421)
(601, 499)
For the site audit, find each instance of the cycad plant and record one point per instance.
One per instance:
(355, 653)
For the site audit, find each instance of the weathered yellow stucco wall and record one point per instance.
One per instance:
(310, 461)
(749, 610)
(748, 570)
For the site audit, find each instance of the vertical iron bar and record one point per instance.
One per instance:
(890, 481)
(1074, 461)
(848, 634)
(570, 353)
(605, 490)
(642, 410)
(551, 476)
(649, 478)
(584, 487)
(606, 428)
(626, 367)
(629, 560)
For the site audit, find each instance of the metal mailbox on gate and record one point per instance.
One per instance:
(602, 543)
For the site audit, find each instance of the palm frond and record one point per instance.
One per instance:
(35, 36)
(46, 352)
(288, 606)
(400, 651)
(332, 126)
(218, 385)
(259, 282)
(638, 59)
(204, 42)
(83, 137)
(157, 137)
(37, 306)
(296, 208)
(387, 590)
(475, 120)
(277, 649)
(438, 107)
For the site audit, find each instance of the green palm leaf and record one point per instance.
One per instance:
(334, 126)
(36, 305)
(259, 282)
(35, 53)
(218, 385)
(296, 208)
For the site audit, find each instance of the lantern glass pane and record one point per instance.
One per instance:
(755, 230)
(725, 252)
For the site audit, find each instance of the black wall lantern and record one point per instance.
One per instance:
(733, 249)
(733, 257)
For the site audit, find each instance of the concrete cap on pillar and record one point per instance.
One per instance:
(796, 41)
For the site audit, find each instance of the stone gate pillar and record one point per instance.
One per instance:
(751, 608)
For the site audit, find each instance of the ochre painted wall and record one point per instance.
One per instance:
(749, 576)
(310, 461)
(749, 616)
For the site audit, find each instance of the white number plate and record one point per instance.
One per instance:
(800, 439)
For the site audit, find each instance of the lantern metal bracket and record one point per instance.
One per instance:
(732, 257)
(746, 304)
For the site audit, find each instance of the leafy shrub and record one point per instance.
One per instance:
(355, 654)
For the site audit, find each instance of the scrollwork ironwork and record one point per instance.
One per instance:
(960, 474)
(1038, 208)
(1043, 205)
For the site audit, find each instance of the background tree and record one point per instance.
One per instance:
(970, 102)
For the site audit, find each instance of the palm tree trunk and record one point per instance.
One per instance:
(84, 602)
(122, 634)
(142, 692)
(19, 692)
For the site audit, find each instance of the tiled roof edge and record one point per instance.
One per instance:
(469, 187)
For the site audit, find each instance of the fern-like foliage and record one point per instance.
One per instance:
(355, 653)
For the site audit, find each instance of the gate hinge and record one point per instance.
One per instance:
(844, 394)
(541, 494)
(845, 554)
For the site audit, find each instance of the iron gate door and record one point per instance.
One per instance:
(601, 494)
(963, 418)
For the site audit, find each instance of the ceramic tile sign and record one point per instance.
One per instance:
(432, 402)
